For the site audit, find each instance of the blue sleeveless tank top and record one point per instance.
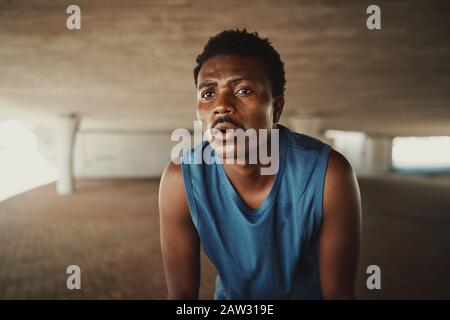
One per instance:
(270, 252)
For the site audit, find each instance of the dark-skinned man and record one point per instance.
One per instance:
(293, 234)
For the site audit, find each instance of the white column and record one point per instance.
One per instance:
(309, 125)
(66, 130)
(377, 154)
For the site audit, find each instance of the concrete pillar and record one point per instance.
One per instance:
(377, 154)
(66, 130)
(309, 125)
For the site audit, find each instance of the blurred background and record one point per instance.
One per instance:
(86, 118)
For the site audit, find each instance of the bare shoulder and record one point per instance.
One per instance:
(341, 186)
(338, 166)
(340, 229)
(180, 244)
(172, 173)
(172, 197)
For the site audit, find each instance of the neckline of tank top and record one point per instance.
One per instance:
(268, 200)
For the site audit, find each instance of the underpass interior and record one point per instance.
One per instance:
(86, 118)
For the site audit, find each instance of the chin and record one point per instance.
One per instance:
(223, 151)
(230, 152)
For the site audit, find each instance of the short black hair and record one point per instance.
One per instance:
(249, 44)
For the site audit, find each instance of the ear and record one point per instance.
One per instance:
(278, 104)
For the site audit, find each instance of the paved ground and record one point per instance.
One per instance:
(110, 229)
(406, 231)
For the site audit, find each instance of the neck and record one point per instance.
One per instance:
(244, 170)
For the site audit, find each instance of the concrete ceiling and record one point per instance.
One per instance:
(132, 61)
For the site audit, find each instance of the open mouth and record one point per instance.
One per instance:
(223, 131)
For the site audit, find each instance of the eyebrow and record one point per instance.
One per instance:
(209, 82)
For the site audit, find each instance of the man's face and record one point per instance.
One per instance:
(234, 91)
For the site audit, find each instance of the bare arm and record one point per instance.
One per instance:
(180, 244)
(340, 230)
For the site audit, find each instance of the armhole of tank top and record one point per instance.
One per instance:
(187, 179)
(320, 187)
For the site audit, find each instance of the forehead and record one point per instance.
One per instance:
(221, 67)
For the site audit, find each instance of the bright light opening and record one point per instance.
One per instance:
(350, 144)
(421, 153)
(22, 167)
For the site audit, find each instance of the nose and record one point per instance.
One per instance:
(223, 105)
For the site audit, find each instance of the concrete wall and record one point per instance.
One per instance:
(112, 154)
(139, 153)
(368, 154)
(121, 154)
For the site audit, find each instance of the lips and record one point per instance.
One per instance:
(222, 126)
(223, 131)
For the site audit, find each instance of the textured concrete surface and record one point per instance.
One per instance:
(406, 232)
(110, 229)
(132, 60)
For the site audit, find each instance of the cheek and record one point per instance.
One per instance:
(261, 105)
(203, 116)
(201, 111)
(261, 112)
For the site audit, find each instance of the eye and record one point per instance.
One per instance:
(243, 92)
(207, 94)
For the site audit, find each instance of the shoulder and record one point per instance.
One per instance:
(171, 189)
(340, 230)
(341, 188)
(172, 170)
(338, 166)
(172, 176)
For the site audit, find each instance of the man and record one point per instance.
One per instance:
(293, 234)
